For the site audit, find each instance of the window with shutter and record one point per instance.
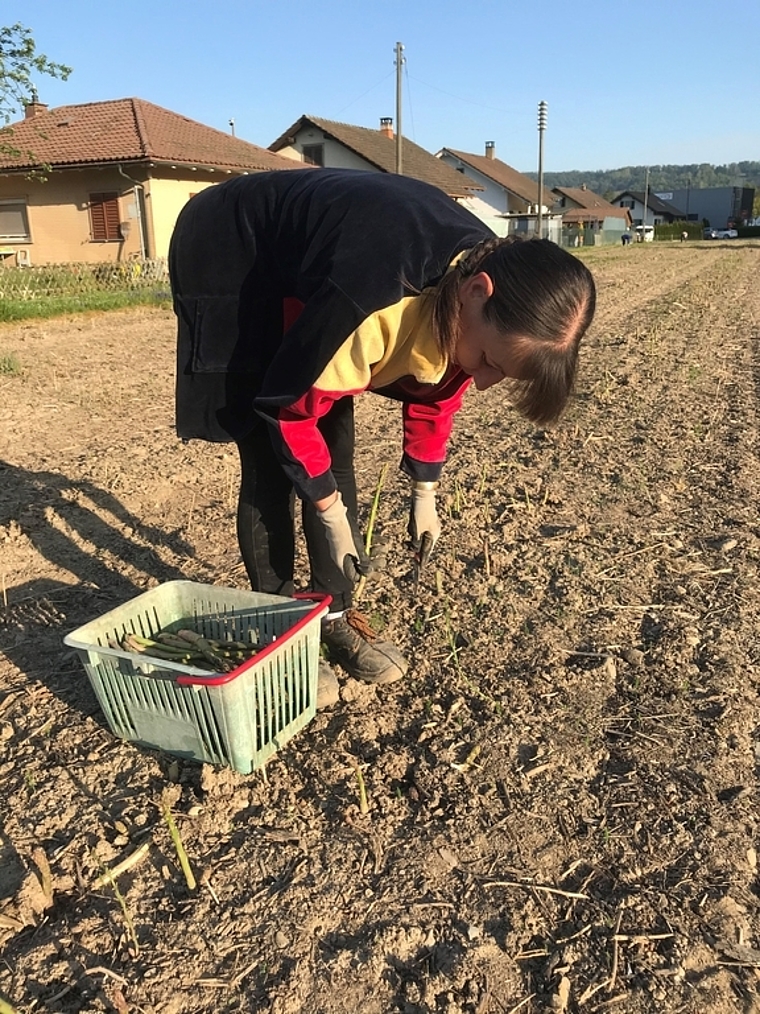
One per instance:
(14, 222)
(104, 218)
(314, 154)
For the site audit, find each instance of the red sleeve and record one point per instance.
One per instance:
(427, 428)
(299, 444)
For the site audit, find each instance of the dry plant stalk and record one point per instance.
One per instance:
(5, 1008)
(633, 552)
(126, 864)
(615, 952)
(102, 970)
(640, 938)
(521, 1004)
(179, 846)
(536, 887)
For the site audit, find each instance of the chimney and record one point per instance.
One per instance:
(34, 107)
(490, 149)
(386, 126)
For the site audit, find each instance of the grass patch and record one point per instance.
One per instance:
(55, 306)
(10, 365)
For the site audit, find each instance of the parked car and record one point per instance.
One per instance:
(644, 233)
(721, 234)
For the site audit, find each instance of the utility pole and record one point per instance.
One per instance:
(644, 219)
(541, 129)
(399, 64)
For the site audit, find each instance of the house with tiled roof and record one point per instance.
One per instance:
(328, 143)
(105, 181)
(587, 218)
(509, 200)
(657, 210)
(505, 189)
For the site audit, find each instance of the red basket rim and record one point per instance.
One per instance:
(322, 604)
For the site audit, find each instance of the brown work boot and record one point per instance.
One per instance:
(353, 644)
(328, 691)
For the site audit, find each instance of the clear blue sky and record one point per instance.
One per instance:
(650, 82)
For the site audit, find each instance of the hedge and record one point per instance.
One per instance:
(673, 230)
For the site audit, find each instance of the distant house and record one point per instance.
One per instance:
(504, 189)
(587, 219)
(342, 146)
(657, 210)
(118, 173)
(509, 200)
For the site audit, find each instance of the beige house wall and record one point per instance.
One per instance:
(336, 155)
(59, 218)
(165, 198)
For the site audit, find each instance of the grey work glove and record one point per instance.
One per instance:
(423, 516)
(345, 548)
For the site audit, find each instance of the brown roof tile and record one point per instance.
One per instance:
(591, 205)
(380, 150)
(592, 214)
(522, 186)
(128, 130)
(583, 197)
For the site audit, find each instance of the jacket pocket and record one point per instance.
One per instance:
(219, 344)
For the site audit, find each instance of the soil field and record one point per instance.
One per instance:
(562, 797)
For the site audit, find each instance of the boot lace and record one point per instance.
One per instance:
(359, 622)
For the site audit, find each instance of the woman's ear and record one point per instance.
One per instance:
(478, 287)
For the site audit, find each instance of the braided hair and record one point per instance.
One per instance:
(543, 302)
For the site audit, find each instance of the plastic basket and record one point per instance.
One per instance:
(238, 718)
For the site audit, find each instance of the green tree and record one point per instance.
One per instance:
(19, 60)
(610, 182)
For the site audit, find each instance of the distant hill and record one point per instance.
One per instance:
(609, 182)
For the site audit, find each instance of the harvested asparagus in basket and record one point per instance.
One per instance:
(187, 647)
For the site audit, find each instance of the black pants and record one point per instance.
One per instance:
(265, 518)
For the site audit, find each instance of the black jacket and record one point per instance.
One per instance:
(336, 245)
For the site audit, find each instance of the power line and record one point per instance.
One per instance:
(358, 97)
(409, 98)
(459, 98)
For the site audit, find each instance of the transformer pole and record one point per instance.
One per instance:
(541, 129)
